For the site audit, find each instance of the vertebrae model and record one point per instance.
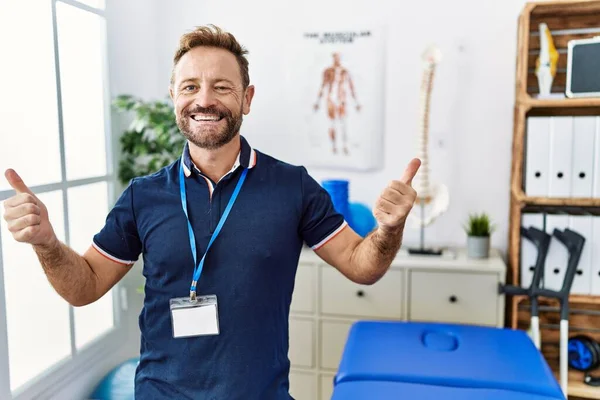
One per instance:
(434, 198)
(546, 63)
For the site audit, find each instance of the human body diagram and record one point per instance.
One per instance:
(336, 83)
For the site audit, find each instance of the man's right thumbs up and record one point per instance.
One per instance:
(16, 182)
(26, 216)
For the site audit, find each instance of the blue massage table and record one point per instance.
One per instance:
(410, 360)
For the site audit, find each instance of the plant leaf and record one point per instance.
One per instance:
(152, 140)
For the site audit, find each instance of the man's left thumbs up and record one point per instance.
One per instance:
(396, 200)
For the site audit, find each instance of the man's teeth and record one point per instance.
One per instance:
(197, 117)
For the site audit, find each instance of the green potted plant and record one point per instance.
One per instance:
(479, 230)
(152, 139)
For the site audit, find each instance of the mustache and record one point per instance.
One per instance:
(207, 110)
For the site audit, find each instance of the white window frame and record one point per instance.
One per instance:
(86, 358)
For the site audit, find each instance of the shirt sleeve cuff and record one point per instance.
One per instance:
(330, 236)
(111, 257)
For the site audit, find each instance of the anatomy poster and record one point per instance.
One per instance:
(335, 82)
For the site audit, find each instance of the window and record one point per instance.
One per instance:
(55, 133)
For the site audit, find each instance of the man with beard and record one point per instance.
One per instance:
(220, 230)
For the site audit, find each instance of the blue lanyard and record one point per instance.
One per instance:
(198, 268)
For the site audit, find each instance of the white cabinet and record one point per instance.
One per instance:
(333, 337)
(305, 293)
(464, 297)
(340, 296)
(302, 343)
(419, 288)
(326, 386)
(303, 385)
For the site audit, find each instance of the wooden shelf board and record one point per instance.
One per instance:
(566, 106)
(562, 201)
(573, 299)
(564, 8)
(562, 22)
(577, 388)
(564, 103)
(578, 298)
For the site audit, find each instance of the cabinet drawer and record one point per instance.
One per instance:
(341, 296)
(303, 385)
(469, 298)
(303, 299)
(333, 339)
(302, 339)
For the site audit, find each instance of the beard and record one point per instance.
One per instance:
(210, 137)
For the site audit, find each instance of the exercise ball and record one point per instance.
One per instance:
(118, 384)
(361, 219)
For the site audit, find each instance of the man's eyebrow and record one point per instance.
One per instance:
(216, 80)
(189, 80)
(224, 80)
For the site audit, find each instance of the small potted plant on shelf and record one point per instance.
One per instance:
(479, 230)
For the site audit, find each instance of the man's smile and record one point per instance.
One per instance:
(206, 118)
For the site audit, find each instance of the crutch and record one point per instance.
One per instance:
(574, 243)
(541, 240)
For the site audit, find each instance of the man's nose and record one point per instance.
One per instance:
(205, 97)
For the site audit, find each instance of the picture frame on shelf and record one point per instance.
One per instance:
(583, 66)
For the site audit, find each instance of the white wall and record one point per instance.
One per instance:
(472, 100)
(132, 47)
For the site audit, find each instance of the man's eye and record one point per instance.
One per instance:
(221, 88)
(189, 88)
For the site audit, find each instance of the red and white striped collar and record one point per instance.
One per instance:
(246, 158)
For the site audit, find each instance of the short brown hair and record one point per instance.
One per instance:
(212, 36)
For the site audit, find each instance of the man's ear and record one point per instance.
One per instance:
(172, 95)
(248, 96)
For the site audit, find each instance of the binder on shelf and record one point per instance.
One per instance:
(582, 282)
(561, 154)
(558, 255)
(595, 250)
(584, 136)
(537, 156)
(596, 177)
(528, 249)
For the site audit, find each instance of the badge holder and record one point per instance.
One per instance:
(199, 317)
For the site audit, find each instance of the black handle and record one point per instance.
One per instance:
(511, 289)
(360, 293)
(453, 299)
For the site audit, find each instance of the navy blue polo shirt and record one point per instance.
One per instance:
(251, 268)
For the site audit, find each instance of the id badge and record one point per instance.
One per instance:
(194, 318)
